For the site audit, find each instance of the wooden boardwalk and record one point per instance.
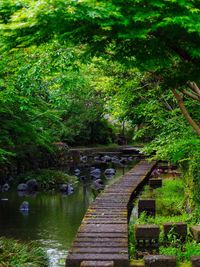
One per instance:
(102, 239)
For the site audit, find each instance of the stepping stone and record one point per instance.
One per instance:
(148, 206)
(195, 261)
(195, 230)
(147, 232)
(74, 260)
(155, 183)
(159, 261)
(179, 229)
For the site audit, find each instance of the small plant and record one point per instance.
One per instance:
(183, 252)
(14, 253)
(132, 243)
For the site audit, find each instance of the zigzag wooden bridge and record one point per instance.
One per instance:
(102, 239)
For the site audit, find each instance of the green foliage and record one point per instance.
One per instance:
(182, 252)
(182, 147)
(132, 241)
(170, 207)
(147, 49)
(14, 253)
(49, 178)
(41, 105)
(143, 30)
(171, 199)
(159, 220)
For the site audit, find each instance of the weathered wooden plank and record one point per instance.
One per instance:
(84, 234)
(109, 206)
(102, 239)
(107, 214)
(100, 244)
(97, 264)
(104, 221)
(100, 250)
(104, 228)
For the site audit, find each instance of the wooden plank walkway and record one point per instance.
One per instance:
(102, 239)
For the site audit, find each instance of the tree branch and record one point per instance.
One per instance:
(184, 55)
(165, 103)
(194, 88)
(185, 112)
(191, 95)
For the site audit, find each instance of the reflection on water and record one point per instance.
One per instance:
(52, 219)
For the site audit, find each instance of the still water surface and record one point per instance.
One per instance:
(53, 219)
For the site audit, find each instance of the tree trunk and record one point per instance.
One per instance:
(185, 112)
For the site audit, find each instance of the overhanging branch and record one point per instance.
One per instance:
(185, 113)
(191, 95)
(194, 87)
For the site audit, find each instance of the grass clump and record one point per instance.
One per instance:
(14, 253)
(183, 252)
(170, 204)
(48, 178)
(163, 219)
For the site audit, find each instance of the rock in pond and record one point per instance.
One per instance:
(96, 173)
(115, 160)
(82, 178)
(24, 206)
(110, 171)
(98, 184)
(32, 185)
(123, 160)
(66, 189)
(106, 158)
(22, 187)
(5, 187)
(83, 159)
(77, 172)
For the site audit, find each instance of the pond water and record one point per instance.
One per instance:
(53, 219)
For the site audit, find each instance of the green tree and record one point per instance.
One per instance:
(156, 44)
